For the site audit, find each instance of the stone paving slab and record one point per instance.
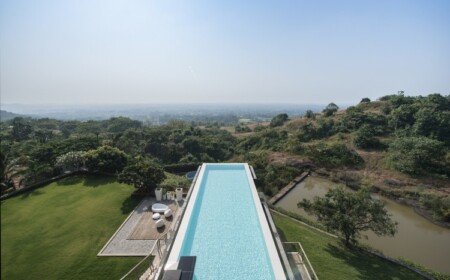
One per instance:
(119, 245)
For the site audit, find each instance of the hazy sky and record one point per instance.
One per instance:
(283, 51)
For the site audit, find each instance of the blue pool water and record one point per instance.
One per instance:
(224, 231)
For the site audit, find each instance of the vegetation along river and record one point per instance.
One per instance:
(417, 239)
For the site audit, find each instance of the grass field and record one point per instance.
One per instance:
(55, 232)
(333, 261)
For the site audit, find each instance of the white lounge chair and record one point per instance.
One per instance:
(159, 223)
(159, 208)
(168, 213)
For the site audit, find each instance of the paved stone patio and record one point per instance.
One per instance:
(119, 245)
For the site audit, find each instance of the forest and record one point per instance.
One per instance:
(398, 145)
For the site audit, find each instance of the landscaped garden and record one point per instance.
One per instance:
(332, 260)
(56, 231)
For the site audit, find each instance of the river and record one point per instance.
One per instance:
(417, 238)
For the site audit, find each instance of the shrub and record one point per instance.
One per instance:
(278, 176)
(279, 120)
(334, 155)
(365, 139)
(439, 205)
(414, 155)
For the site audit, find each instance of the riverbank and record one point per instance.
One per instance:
(348, 179)
(417, 239)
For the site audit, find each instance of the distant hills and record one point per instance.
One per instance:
(162, 113)
(5, 115)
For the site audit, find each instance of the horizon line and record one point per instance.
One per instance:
(168, 103)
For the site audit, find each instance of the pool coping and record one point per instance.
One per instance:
(275, 260)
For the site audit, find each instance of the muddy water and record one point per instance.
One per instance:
(417, 239)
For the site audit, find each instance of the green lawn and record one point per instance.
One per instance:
(55, 232)
(333, 261)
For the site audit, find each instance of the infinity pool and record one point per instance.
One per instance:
(225, 227)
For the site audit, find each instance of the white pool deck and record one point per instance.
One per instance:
(271, 248)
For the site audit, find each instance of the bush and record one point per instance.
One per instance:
(365, 139)
(173, 181)
(278, 120)
(334, 155)
(439, 205)
(278, 176)
(354, 118)
(308, 131)
(242, 129)
(414, 155)
(269, 139)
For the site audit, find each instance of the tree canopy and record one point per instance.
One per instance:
(71, 161)
(142, 174)
(330, 109)
(106, 159)
(278, 120)
(350, 213)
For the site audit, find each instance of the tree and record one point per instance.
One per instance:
(309, 114)
(130, 141)
(11, 170)
(43, 135)
(142, 174)
(365, 100)
(350, 213)
(192, 145)
(279, 120)
(120, 124)
(106, 159)
(37, 170)
(432, 123)
(71, 161)
(330, 109)
(354, 117)
(402, 116)
(396, 100)
(21, 129)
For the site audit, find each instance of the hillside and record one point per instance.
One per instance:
(5, 115)
(396, 145)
